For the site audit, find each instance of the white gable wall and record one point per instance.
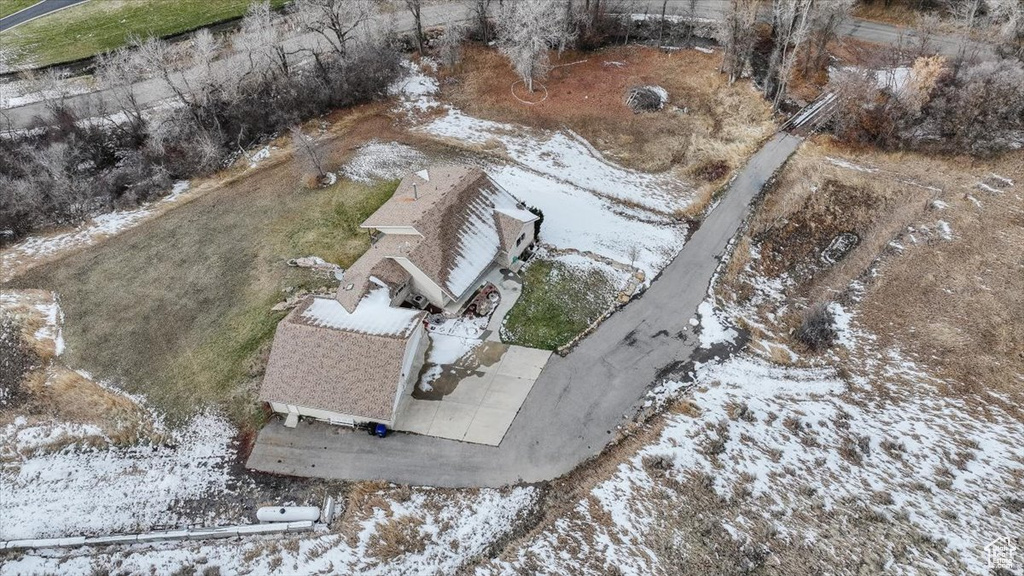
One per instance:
(412, 363)
(422, 284)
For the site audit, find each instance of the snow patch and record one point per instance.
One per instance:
(712, 330)
(383, 161)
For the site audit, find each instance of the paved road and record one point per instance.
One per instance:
(35, 11)
(576, 404)
(150, 92)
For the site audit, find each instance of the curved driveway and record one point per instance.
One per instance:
(576, 403)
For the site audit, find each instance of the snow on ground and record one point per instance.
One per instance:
(21, 92)
(79, 491)
(259, 156)
(378, 160)
(100, 227)
(425, 532)
(450, 349)
(798, 440)
(590, 205)
(617, 276)
(566, 157)
(577, 219)
(712, 329)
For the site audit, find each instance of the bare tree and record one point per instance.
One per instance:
(527, 29)
(310, 153)
(415, 7)
(262, 39)
(449, 45)
(53, 85)
(155, 54)
(120, 72)
(791, 21)
(738, 34)
(824, 25)
(966, 13)
(479, 10)
(1008, 17)
(336, 21)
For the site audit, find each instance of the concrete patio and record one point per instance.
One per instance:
(480, 400)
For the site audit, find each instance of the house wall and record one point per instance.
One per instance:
(325, 415)
(422, 284)
(412, 363)
(529, 232)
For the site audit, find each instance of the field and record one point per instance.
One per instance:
(9, 7)
(925, 247)
(95, 27)
(178, 309)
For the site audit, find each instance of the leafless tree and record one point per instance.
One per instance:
(527, 29)
(738, 34)
(966, 13)
(156, 55)
(824, 25)
(1008, 17)
(415, 8)
(262, 39)
(479, 13)
(336, 21)
(120, 72)
(53, 85)
(310, 153)
(791, 20)
(449, 45)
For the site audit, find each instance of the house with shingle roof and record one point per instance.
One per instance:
(445, 228)
(349, 360)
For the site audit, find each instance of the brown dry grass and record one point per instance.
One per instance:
(706, 123)
(955, 306)
(57, 394)
(897, 14)
(397, 537)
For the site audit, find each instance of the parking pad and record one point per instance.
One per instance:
(482, 405)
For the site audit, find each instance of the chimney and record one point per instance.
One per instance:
(415, 192)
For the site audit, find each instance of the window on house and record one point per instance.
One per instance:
(520, 239)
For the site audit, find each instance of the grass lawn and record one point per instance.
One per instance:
(178, 309)
(558, 303)
(100, 25)
(8, 7)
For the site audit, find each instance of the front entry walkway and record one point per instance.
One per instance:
(476, 400)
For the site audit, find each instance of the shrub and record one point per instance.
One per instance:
(817, 329)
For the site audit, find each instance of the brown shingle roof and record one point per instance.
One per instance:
(375, 262)
(454, 209)
(416, 196)
(336, 370)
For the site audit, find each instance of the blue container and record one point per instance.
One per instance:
(380, 430)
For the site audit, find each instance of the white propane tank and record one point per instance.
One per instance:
(287, 513)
